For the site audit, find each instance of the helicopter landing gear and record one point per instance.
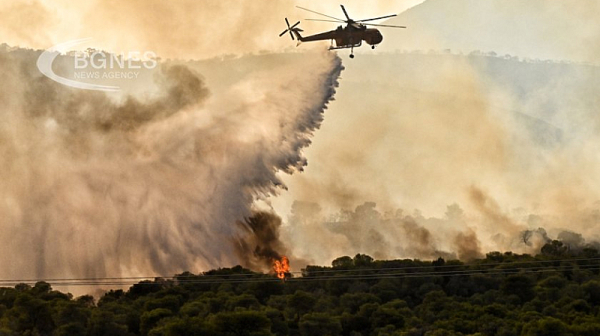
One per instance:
(351, 55)
(372, 47)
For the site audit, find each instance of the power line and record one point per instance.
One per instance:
(296, 272)
(397, 275)
(303, 279)
(448, 266)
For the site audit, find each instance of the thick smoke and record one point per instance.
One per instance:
(318, 237)
(95, 185)
(261, 245)
(467, 246)
(367, 230)
(512, 142)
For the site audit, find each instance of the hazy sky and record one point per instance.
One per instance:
(499, 136)
(187, 29)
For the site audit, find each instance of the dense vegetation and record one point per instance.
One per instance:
(554, 293)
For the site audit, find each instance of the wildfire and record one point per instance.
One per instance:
(281, 267)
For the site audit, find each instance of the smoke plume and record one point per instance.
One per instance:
(98, 185)
(512, 142)
(261, 245)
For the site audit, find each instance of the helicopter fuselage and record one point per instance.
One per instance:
(351, 35)
(354, 34)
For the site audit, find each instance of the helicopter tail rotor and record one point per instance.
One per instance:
(292, 29)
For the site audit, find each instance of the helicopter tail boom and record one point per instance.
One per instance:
(296, 32)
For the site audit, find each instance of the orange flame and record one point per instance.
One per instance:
(281, 267)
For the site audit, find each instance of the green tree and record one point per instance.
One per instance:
(301, 302)
(149, 319)
(319, 324)
(183, 327)
(351, 302)
(548, 326)
(105, 323)
(170, 302)
(30, 314)
(242, 323)
(390, 313)
(519, 285)
(555, 248)
(361, 260)
(344, 262)
(71, 329)
(592, 291)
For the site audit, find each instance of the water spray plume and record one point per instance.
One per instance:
(143, 185)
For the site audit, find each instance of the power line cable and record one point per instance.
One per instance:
(298, 272)
(399, 275)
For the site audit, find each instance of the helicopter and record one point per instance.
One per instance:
(350, 36)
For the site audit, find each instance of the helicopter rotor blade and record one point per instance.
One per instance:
(345, 13)
(289, 29)
(283, 32)
(312, 11)
(292, 28)
(377, 18)
(380, 25)
(324, 20)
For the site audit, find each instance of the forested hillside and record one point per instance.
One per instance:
(554, 293)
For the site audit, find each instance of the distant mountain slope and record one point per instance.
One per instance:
(558, 30)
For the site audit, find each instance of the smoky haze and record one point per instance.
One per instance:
(423, 154)
(98, 185)
(510, 142)
(466, 118)
(535, 29)
(187, 30)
